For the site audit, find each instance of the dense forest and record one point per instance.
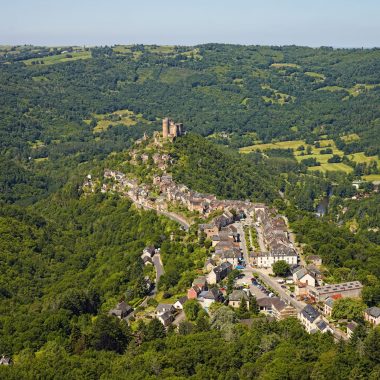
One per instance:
(58, 105)
(67, 257)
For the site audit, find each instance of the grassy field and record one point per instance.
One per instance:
(53, 59)
(126, 118)
(362, 158)
(372, 177)
(275, 145)
(277, 97)
(284, 65)
(322, 158)
(175, 74)
(338, 167)
(332, 88)
(317, 76)
(350, 137)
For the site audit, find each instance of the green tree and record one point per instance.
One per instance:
(191, 309)
(281, 268)
(109, 333)
(155, 330)
(348, 308)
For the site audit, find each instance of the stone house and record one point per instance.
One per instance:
(219, 273)
(121, 310)
(207, 298)
(372, 315)
(235, 298)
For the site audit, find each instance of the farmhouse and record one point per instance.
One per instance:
(206, 298)
(235, 298)
(121, 310)
(280, 310)
(372, 315)
(219, 273)
(180, 302)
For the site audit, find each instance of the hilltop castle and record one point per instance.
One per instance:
(171, 130)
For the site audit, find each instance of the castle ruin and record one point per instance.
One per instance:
(171, 130)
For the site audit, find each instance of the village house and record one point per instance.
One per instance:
(265, 304)
(219, 273)
(164, 307)
(180, 302)
(207, 298)
(232, 256)
(351, 327)
(372, 315)
(209, 265)
(209, 229)
(166, 318)
(314, 259)
(281, 310)
(235, 298)
(121, 310)
(312, 320)
(351, 289)
(193, 292)
(147, 255)
(302, 276)
(165, 313)
(329, 304)
(200, 282)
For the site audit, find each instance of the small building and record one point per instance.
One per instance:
(166, 318)
(5, 360)
(351, 327)
(207, 298)
(163, 308)
(315, 259)
(372, 315)
(235, 298)
(219, 273)
(329, 304)
(209, 229)
(193, 293)
(209, 265)
(281, 310)
(180, 302)
(265, 304)
(302, 276)
(200, 282)
(121, 310)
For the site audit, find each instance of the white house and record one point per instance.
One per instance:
(267, 259)
(180, 302)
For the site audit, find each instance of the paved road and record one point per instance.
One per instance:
(171, 215)
(158, 265)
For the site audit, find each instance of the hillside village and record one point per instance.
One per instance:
(227, 226)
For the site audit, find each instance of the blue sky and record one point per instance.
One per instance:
(338, 23)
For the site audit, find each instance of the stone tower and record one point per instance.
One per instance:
(173, 129)
(165, 128)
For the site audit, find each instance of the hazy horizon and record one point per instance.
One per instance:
(335, 23)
